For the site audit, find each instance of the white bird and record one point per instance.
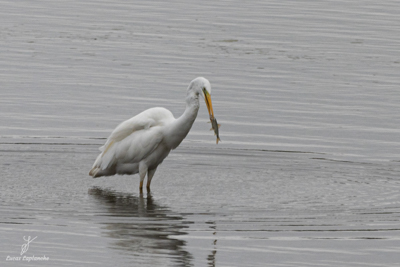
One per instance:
(140, 144)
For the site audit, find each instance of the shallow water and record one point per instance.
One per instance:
(307, 170)
(246, 208)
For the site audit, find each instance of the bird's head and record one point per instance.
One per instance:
(202, 86)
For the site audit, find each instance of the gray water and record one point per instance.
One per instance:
(306, 174)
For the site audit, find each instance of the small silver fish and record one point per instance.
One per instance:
(215, 126)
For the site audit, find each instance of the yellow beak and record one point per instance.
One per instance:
(207, 98)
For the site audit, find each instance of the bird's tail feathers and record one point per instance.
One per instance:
(104, 161)
(94, 171)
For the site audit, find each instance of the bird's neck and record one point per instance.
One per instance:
(182, 125)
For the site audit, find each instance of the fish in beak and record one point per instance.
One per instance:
(213, 120)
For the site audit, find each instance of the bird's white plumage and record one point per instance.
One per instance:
(133, 140)
(140, 144)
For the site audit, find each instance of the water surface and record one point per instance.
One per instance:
(307, 95)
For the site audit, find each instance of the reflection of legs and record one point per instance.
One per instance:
(150, 175)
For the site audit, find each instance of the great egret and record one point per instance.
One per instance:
(140, 144)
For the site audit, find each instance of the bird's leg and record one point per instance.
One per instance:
(141, 187)
(142, 173)
(150, 175)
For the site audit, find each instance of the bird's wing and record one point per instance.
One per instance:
(148, 118)
(135, 138)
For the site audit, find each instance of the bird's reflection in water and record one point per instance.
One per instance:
(142, 227)
(211, 256)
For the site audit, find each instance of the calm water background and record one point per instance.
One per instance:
(307, 173)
